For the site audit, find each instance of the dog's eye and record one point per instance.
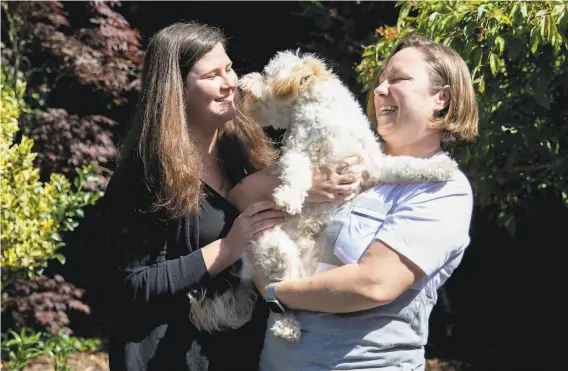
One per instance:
(305, 79)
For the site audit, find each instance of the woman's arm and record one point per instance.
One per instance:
(255, 187)
(415, 240)
(147, 278)
(377, 279)
(144, 269)
(153, 257)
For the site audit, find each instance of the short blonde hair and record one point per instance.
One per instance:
(460, 119)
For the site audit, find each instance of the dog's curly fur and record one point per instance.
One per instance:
(324, 123)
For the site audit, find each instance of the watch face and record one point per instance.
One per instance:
(275, 307)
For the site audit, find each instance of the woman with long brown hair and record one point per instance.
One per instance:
(172, 228)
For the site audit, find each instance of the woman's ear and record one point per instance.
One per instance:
(442, 98)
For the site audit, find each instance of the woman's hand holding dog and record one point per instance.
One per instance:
(249, 226)
(259, 217)
(336, 183)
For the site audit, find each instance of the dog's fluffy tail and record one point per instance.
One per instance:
(232, 309)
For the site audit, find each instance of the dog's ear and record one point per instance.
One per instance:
(305, 80)
(317, 68)
(252, 85)
(302, 77)
(287, 87)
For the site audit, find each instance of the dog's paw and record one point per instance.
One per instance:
(293, 208)
(447, 168)
(439, 169)
(252, 85)
(287, 327)
(286, 201)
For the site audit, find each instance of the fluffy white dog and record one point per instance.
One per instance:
(324, 123)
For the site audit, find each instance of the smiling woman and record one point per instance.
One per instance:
(174, 234)
(423, 96)
(171, 227)
(211, 85)
(404, 104)
(394, 245)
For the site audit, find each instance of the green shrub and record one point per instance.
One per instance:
(34, 213)
(19, 349)
(517, 53)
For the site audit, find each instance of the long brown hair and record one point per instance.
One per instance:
(161, 135)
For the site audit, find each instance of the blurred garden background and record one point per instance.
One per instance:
(69, 83)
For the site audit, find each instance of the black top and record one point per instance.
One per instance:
(216, 216)
(156, 264)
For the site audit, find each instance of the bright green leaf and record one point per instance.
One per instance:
(500, 43)
(524, 9)
(493, 63)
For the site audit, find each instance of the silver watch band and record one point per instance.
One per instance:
(270, 298)
(271, 291)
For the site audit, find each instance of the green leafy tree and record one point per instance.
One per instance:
(34, 213)
(517, 53)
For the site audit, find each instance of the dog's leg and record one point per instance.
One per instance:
(277, 255)
(296, 177)
(314, 218)
(406, 169)
(287, 327)
(247, 269)
(279, 258)
(403, 169)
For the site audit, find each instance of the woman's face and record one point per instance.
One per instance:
(211, 85)
(403, 101)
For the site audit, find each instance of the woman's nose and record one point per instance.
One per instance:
(382, 88)
(229, 81)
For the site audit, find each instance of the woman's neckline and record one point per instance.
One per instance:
(214, 191)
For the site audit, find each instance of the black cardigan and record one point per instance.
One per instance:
(155, 264)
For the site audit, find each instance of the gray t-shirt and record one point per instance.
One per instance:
(429, 224)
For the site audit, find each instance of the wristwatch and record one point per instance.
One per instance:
(270, 298)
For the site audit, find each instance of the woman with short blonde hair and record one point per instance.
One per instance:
(391, 248)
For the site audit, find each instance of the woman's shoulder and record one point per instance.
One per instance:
(127, 180)
(128, 194)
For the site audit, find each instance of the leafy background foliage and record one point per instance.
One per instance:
(71, 74)
(43, 303)
(517, 55)
(33, 213)
(67, 84)
(516, 52)
(82, 73)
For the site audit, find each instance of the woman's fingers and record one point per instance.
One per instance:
(344, 165)
(347, 189)
(349, 178)
(258, 207)
(258, 228)
(270, 214)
